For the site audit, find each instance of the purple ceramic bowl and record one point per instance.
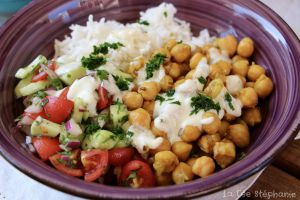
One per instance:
(32, 31)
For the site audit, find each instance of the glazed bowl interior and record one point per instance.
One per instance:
(33, 31)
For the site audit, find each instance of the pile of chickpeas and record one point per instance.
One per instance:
(217, 143)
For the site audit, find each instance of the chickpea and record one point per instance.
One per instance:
(239, 134)
(263, 86)
(195, 59)
(165, 52)
(166, 83)
(255, 71)
(226, 66)
(173, 69)
(181, 52)
(234, 84)
(149, 106)
(157, 132)
(184, 69)
(214, 126)
(191, 161)
(248, 97)
(164, 179)
(252, 116)
(178, 82)
(219, 68)
(170, 44)
(180, 78)
(135, 65)
(164, 146)
(133, 100)
(182, 150)
(245, 47)
(205, 48)
(149, 90)
(237, 58)
(204, 166)
(190, 133)
(229, 117)
(207, 142)
(250, 84)
(224, 153)
(182, 173)
(190, 74)
(214, 88)
(223, 128)
(240, 67)
(240, 121)
(228, 43)
(140, 117)
(165, 162)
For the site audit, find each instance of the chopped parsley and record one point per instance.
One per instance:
(66, 153)
(170, 92)
(102, 74)
(154, 64)
(56, 83)
(203, 102)
(133, 174)
(123, 84)
(143, 22)
(91, 127)
(202, 80)
(44, 102)
(93, 61)
(103, 48)
(241, 156)
(40, 94)
(179, 42)
(165, 13)
(159, 98)
(228, 98)
(176, 102)
(122, 135)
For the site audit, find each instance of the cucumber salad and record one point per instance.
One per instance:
(142, 104)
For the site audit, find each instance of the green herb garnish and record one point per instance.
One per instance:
(170, 92)
(154, 64)
(159, 98)
(93, 61)
(143, 22)
(44, 102)
(40, 94)
(176, 102)
(228, 98)
(103, 48)
(56, 83)
(133, 174)
(102, 74)
(90, 127)
(202, 80)
(165, 14)
(203, 102)
(241, 156)
(122, 83)
(179, 42)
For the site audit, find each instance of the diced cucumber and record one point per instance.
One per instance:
(32, 88)
(103, 118)
(24, 72)
(103, 139)
(123, 75)
(123, 143)
(86, 115)
(43, 127)
(87, 142)
(118, 114)
(70, 72)
(22, 83)
(78, 111)
(65, 137)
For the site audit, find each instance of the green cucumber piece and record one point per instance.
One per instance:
(70, 72)
(87, 142)
(22, 83)
(103, 118)
(24, 72)
(103, 139)
(79, 107)
(65, 137)
(86, 115)
(32, 88)
(43, 127)
(118, 114)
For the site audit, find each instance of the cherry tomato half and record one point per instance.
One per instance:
(120, 156)
(138, 170)
(104, 100)
(46, 146)
(95, 163)
(43, 75)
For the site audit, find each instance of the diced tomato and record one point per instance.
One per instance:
(43, 75)
(58, 109)
(120, 156)
(138, 170)
(64, 93)
(69, 165)
(104, 100)
(46, 146)
(35, 115)
(95, 163)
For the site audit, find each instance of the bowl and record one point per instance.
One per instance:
(11, 6)
(32, 31)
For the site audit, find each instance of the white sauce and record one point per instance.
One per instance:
(234, 84)
(157, 75)
(215, 55)
(85, 88)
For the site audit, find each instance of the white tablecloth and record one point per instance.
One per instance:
(16, 186)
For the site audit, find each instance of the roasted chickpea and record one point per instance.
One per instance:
(165, 162)
(191, 161)
(182, 173)
(149, 106)
(135, 65)
(237, 58)
(182, 150)
(207, 142)
(240, 121)
(166, 83)
(263, 86)
(219, 68)
(140, 117)
(240, 67)
(250, 84)
(205, 49)
(173, 69)
(177, 83)
(184, 69)
(164, 179)
(180, 78)
(181, 52)
(164, 146)
(133, 100)
(149, 90)
(234, 84)
(252, 116)
(228, 43)
(214, 126)
(190, 133)
(165, 52)
(248, 97)
(229, 117)
(157, 132)
(239, 134)
(204, 166)
(170, 44)
(214, 88)
(195, 59)
(255, 71)
(190, 74)
(223, 128)
(224, 153)
(245, 47)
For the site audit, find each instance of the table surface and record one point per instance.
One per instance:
(280, 178)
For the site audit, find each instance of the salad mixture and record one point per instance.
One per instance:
(142, 104)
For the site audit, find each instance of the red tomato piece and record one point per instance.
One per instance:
(46, 146)
(95, 163)
(120, 156)
(70, 166)
(64, 93)
(138, 170)
(104, 100)
(43, 75)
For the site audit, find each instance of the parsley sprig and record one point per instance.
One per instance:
(202, 80)
(102, 74)
(203, 102)
(122, 83)
(154, 64)
(228, 98)
(143, 22)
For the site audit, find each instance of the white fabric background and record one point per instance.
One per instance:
(16, 186)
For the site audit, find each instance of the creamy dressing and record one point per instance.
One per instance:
(157, 75)
(85, 88)
(143, 139)
(215, 55)
(234, 84)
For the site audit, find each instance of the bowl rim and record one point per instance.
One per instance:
(18, 162)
